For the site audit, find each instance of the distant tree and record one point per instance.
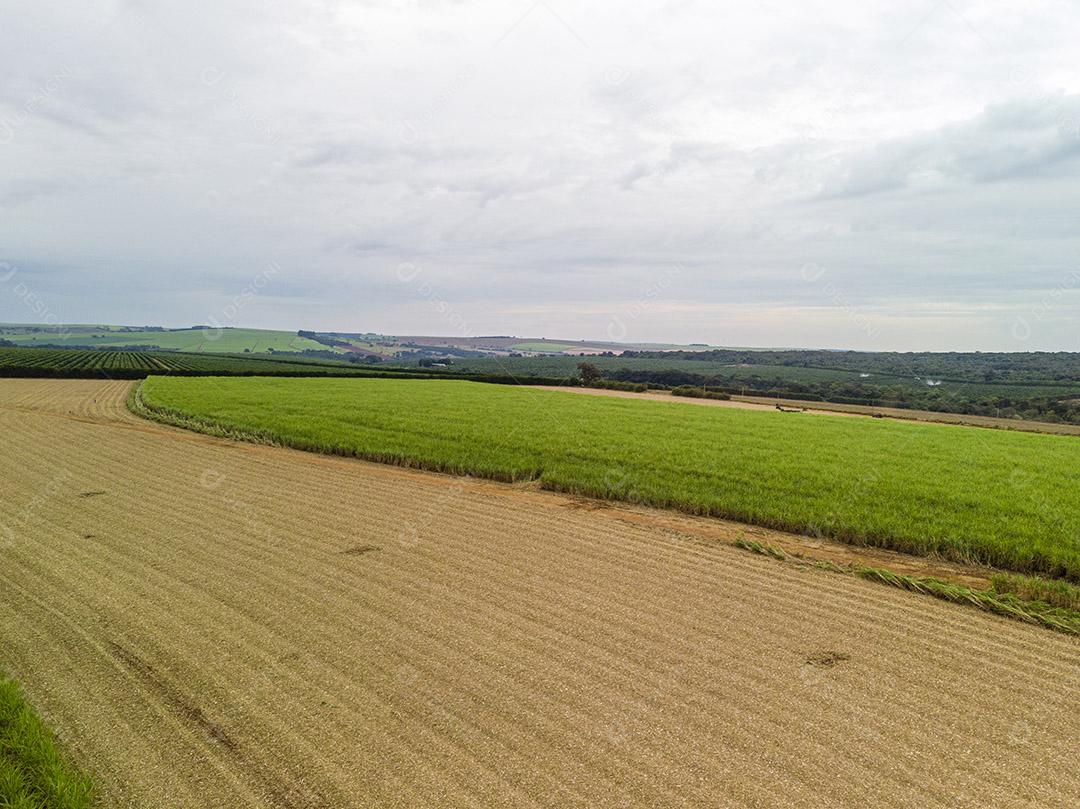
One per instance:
(590, 374)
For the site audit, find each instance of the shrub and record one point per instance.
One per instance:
(693, 391)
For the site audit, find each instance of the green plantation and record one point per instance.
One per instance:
(105, 363)
(996, 497)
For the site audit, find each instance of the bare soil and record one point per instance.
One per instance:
(230, 625)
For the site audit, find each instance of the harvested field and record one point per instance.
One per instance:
(230, 625)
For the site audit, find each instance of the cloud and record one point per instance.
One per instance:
(546, 163)
(1015, 140)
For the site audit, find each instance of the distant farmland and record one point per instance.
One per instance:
(999, 498)
(210, 340)
(83, 363)
(232, 340)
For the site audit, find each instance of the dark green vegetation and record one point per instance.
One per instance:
(105, 363)
(694, 392)
(33, 772)
(63, 362)
(1038, 386)
(994, 497)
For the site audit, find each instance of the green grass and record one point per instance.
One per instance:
(215, 341)
(33, 772)
(995, 497)
(1054, 593)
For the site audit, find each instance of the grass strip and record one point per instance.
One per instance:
(34, 774)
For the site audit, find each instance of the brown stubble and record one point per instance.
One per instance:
(205, 632)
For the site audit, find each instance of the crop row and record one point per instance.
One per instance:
(137, 364)
(69, 360)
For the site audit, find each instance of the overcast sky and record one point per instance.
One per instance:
(874, 175)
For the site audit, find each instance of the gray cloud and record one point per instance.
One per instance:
(549, 170)
(1017, 140)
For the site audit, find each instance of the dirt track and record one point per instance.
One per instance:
(209, 624)
(836, 409)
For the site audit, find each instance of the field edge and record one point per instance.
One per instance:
(1007, 604)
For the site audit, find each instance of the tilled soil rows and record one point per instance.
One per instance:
(212, 624)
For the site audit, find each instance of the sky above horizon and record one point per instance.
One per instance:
(867, 175)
